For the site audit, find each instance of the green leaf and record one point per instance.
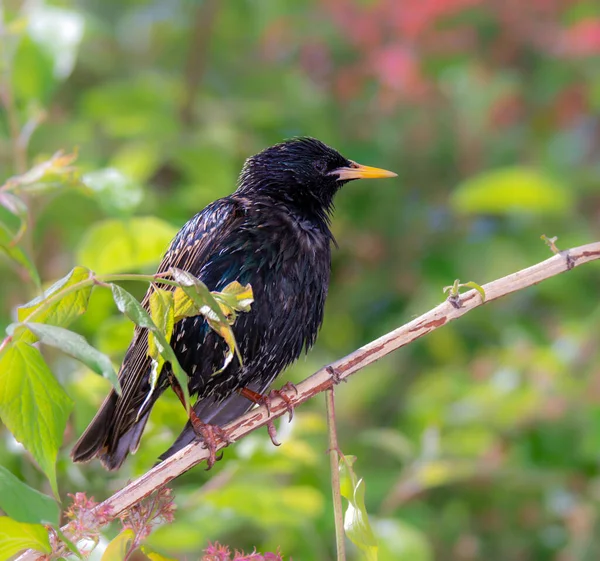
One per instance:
(62, 311)
(356, 519)
(115, 246)
(33, 405)
(129, 306)
(512, 189)
(17, 536)
(207, 306)
(162, 314)
(24, 504)
(74, 345)
(18, 255)
(70, 545)
(32, 76)
(118, 548)
(236, 296)
(154, 556)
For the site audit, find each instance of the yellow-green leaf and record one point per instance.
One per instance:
(118, 548)
(17, 536)
(115, 246)
(62, 311)
(33, 405)
(512, 189)
(154, 556)
(25, 504)
(162, 314)
(237, 296)
(356, 519)
(129, 306)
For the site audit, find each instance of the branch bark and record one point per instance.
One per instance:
(324, 379)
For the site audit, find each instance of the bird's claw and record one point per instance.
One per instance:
(289, 405)
(272, 433)
(210, 435)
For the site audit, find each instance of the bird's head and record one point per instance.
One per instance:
(302, 171)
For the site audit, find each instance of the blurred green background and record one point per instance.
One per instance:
(480, 441)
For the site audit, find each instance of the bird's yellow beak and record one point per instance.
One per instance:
(358, 171)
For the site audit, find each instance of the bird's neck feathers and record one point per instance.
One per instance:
(309, 203)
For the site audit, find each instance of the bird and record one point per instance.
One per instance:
(273, 232)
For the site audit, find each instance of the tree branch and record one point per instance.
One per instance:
(325, 378)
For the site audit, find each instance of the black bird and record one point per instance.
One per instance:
(273, 233)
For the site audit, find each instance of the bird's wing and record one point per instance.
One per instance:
(120, 417)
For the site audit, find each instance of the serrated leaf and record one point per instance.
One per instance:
(118, 548)
(512, 189)
(116, 246)
(24, 504)
(17, 254)
(17, 536)
(129, 306)
(356, 519)
(33, 405)
(63, 311)
(74, 345)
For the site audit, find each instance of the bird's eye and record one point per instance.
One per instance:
(320, 166)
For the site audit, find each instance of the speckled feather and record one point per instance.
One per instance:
(273, 233)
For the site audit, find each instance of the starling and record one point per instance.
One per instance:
(273, 233)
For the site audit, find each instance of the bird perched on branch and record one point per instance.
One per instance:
(273, 233)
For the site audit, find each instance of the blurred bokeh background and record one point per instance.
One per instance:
(480, 441)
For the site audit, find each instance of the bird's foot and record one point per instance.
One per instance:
(336, 375)
(210, 435)
(265, 400)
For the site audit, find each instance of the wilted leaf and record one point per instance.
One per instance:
(74, 345)
(209, 308)
(356, 519)
(18, 255)
(236, 296)
(118, 548)
(115, 246)
(514, 189)
(49, 174)
(17, 536)
(64, 310)
(129, 306)
(24, 504)
(33, 405)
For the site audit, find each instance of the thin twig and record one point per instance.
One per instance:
(194, 453)
(334, 460)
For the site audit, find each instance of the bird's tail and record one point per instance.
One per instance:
(95, 441)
